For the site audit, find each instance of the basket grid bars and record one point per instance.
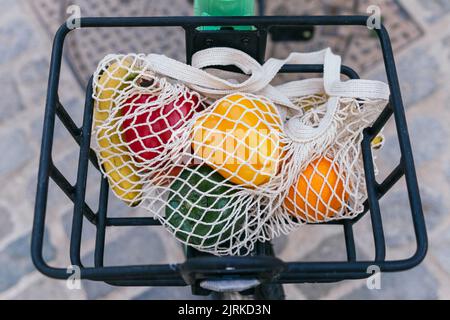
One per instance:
(295, 272)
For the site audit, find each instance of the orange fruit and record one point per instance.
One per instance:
(318, 193)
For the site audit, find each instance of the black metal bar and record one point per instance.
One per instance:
(405, 145)
(391, 180)
(261, 7)
(372, 195)
(80, 187)
(329, 277)
(193, 22)
(349, 240)
(37, 236)
(69, 191)
(101, 224)
(124, 273)
(384, 187)
(129, 222)
(149, 283)
(74, 131)
(67, 121)
(381, 120)
(62, 182)
(189, 30)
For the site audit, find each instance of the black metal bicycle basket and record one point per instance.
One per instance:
(261, 264)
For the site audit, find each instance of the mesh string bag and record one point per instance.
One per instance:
(225, 162)
(328, 179)
(234, 151)
(136, 113)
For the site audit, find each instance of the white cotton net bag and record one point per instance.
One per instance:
(224, 163)
(327, 179)
(136, 112)
(212, 178)
(219, 204)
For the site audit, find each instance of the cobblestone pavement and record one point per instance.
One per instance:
(421, 36)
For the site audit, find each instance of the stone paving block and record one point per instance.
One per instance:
(417, 72)
(6, 225)
(11, 100)
(68, 166)
(422, 131)
(75, 107)
(441, 250)
(396, 216)
(8, 6)
(330, 249)
(305, 240)
(418, 283)
(55, 198)
(17, 37)
(89, 231)
(96, 290)
(169, 293)
(16, 261)
(88, 47)
(280, 244)
(316, 291)
(60, 135)
(16, 145)
(358, 46)
(435, 9)
(139, 245)
(48, 289)
(447, 172)
(118, 208)
(32, 78)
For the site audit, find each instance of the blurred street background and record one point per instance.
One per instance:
(420, 32)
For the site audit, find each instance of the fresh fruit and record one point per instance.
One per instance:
(240, 138)
(122, 178)
(318, 193)
(148, 131)
(165, 176)
(378, 142)
(199, 207)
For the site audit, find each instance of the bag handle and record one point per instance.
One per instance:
(331, 83)
(214, 86)
(331, 80)
(204, 81)
(295, 128)
(260, 77)
(333, 87)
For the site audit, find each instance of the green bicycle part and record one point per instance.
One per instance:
(215, 8)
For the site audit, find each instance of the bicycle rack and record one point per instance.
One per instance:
(261, 264)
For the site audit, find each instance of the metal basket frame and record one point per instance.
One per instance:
(261, 264)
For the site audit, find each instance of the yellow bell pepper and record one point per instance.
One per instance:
(240, 138)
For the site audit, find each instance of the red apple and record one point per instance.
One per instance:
(147, 132)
